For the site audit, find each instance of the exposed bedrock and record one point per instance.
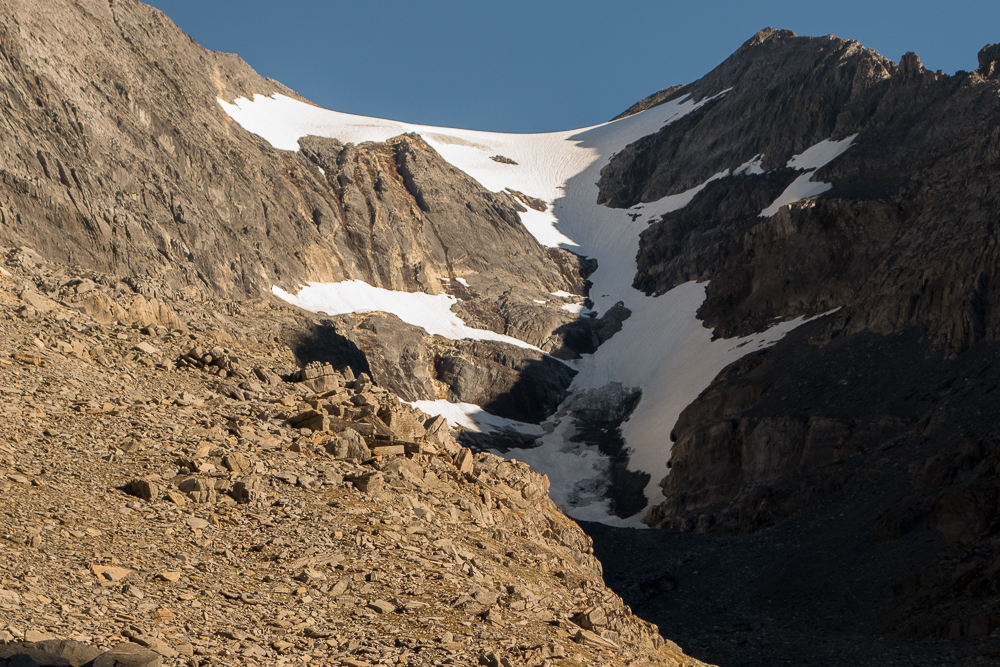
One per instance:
(509, 381)
(903, 252)
(905, 241)
(123, 161)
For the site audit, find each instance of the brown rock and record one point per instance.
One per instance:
(370, 483)
(142, 488)
(236, 462)
(128, 654)
(465, 461)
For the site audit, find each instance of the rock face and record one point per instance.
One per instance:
(512, 382)
(139, 172)
(143, 174)
(902, 254)
(903, 247)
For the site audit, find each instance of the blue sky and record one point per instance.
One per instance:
(543, 65)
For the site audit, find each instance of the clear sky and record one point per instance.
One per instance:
(543, 65)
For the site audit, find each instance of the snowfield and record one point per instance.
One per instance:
(663, 349)
(432, 312)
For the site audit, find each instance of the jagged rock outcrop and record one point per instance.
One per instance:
(903, 248)
(989, 61)
(115, 139)
(509, 381)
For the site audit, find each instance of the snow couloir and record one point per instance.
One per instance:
(663, 350)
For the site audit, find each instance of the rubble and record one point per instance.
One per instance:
(149, 517)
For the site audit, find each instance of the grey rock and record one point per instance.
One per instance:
(128, 654)
(75, 653)
(236, 462)
(145, 489)
(198, 489)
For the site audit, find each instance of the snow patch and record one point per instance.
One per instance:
(751, 166)
(821, 154)
(543, 227)
(813, 158)
(474, 418)
(799, 189)
(431, 312)
(659, 208)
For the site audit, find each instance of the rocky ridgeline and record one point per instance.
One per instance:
(171, 494)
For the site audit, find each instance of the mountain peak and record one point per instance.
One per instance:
(768, 34)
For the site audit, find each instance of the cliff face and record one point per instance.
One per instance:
(903, 248)
(115, 142)
(901, 254)
(116, 157)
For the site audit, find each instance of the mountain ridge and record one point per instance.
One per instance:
(832, 209)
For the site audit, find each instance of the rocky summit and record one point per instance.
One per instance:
(261, 364)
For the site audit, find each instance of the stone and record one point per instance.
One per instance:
(289, 478)
(494, 660)
(371, 483)
(312, 420)
(133, 591)
(196, 523)
(387, 450)
(310, 576)
(110, 572)
(381, 606)
(407, 469)
(9, 599)
(142, 488)
(28, 359)
(169, 575)
(340, 587)
(163, 615)
(74, 652)
(155, 644)
(349, 444)
(250, 490)
(236, 462)
(464, 461)
(128, 654)
(198, 489)
(588, 637)
(149, 349)
(267, 377)
(591, 618)
(176, 498)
